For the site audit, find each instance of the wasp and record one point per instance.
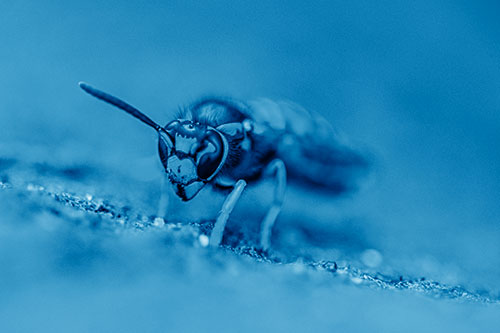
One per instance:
(228, 144)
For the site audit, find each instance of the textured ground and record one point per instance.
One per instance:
(78, 254)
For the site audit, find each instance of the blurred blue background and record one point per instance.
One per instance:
(415, 83)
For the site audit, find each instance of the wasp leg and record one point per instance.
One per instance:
(164, 201)
(276, 168)
(227, 208)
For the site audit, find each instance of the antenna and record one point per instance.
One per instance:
(120, 104)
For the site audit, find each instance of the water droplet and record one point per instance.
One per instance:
(158, 222)
(203, 239)
(371, 258)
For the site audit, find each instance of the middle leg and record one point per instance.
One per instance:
(276, 168)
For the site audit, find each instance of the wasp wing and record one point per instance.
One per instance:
(313, 153)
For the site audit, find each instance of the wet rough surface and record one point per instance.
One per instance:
(116, 217)
(64, 249)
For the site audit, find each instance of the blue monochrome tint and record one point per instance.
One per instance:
(306, 167)
(224, 143)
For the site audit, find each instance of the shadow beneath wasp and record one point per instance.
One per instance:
(342, 241)
(311, 225)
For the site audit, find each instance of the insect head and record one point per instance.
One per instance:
(191, 153)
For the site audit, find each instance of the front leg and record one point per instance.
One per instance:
(227, 208)
(278, 170)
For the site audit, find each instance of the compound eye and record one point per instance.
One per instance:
(211, 155)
